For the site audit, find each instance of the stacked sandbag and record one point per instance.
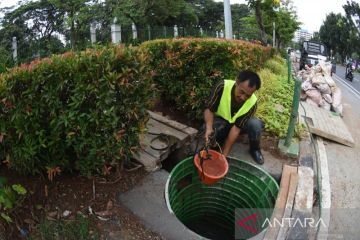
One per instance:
(319, 89)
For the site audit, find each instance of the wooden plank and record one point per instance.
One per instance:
(178, 126)
(280, 204)
(160, 118)
(178, 135)
(155, 126)
(328, 125)
(289, 205)
(150, 163)
(191, 131)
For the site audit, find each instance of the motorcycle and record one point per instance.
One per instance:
(349, 72)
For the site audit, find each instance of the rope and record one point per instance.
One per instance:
(162, 137)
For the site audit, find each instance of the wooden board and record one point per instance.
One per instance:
(281, 200)
(150, 162)
(327, 124)
(178, 135)
(289, 204)
(172, 123)
(179, 126)
(155, 126)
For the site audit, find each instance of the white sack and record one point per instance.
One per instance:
(327, 98)
(318, 79)
(306, 86)
(311, 102)
(324, 88)
(326, 68)
(329, 81)
(336, 96)
(315, 95)
(338, 109)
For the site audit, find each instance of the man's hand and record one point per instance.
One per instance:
(208, 134)
(209, 119)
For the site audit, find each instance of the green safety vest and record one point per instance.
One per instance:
(224, 108)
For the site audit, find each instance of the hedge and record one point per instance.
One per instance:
(186, 69)
(81, 111)
(74, 111)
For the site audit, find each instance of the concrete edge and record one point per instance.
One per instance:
(304, 194)
(324, 188)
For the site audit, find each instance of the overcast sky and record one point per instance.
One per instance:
(311, 13)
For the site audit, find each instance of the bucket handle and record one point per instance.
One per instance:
(212, 139)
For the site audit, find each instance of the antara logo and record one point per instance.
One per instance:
(247, 227)
(250, 221)
(293, 222)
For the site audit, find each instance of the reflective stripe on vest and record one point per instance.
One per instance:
(224, 108)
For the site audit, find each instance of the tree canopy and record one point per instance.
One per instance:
(268, 12)
(341, 33)
(43, 27)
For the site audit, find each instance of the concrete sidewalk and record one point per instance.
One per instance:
(272, 164)
(344, 172)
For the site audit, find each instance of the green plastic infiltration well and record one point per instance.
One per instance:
(209, 211)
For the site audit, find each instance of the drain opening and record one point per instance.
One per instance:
(209, 211)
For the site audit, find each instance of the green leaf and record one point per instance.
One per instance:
(8, 204)
(2, 181)
(6, 217)
(19, 189)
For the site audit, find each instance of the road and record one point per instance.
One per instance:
(344, 165)
(340, 72)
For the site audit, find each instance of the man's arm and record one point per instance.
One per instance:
(209, 119)
(211, 107)
(230, 140)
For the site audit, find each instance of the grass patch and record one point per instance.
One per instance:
(275, 97)
(78, 229)
(276, 66)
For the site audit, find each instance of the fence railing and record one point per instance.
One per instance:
(130, 34)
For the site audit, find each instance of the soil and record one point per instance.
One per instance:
(51, 199)
(270, 143)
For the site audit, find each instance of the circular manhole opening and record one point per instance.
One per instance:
(213, 211)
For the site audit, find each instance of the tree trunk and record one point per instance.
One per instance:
(72, 30)
(259, 21)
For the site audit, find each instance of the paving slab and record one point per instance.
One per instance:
(273, 165)
(326, 124)
(147, 201)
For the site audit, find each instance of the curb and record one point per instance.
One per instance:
(324, 188)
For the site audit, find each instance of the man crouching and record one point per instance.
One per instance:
(230, 111)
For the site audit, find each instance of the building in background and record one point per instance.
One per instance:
(302, 35)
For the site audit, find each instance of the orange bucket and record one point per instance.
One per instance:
(213, 169)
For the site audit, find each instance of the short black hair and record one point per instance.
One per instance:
(253, 77)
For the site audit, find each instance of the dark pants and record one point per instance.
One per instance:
(253, 128)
